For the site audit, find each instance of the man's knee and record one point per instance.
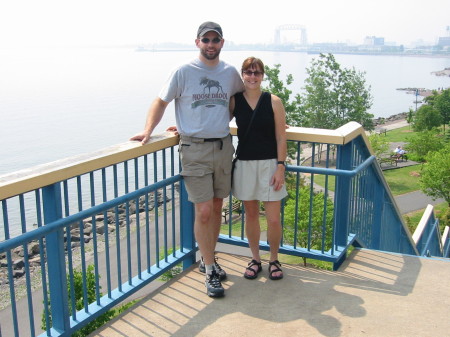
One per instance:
(203, 211)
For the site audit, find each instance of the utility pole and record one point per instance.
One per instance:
(417, 94)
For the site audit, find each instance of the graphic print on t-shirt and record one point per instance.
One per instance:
(207, 98)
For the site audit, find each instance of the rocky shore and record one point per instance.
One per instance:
(445, 72)
(392, 119)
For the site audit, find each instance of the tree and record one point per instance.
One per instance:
(435, 176)
(442, 104)
(335, 96)
(277, 87)
(424, 142)
(426, 118)
(379, 145)
(410, 116)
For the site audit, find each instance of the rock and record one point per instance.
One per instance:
(19, 263)
(33, 248)
(18, 273)
(35, 261)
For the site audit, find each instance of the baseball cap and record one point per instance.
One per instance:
(209, 26)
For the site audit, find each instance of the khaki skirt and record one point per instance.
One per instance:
(251, 180)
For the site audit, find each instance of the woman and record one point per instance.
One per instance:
(259, 170)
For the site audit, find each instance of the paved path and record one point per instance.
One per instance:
(414, 201)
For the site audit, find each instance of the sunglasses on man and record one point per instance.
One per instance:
(215, 40)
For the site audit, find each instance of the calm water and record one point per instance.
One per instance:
(56, 103)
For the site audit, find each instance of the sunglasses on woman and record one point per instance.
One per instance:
(255, 73)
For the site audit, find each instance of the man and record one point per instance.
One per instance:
(399, 152)
(202, 89)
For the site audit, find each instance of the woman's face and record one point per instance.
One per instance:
(252, 77)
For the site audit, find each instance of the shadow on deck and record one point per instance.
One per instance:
(373, 294)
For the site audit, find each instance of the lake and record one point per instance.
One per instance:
(56, 103)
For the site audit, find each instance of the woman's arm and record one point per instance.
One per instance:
(280, 135)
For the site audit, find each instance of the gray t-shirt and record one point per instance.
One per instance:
(202, 96)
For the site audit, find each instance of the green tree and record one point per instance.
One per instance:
(426, 118)
(335, 96)
(424, 142)
(410, 116)
(277, 87)
(442, 104)
(379, 145)
(435, 176)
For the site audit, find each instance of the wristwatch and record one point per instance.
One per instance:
(281, 162)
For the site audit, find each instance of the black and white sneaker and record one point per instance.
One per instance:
(222, 274)
(213, 286)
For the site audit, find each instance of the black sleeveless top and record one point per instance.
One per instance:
(260, 142)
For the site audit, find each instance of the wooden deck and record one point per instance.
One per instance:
(373, 294)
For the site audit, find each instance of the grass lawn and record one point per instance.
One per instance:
(399, 135)
(319, 179)
(403, 180)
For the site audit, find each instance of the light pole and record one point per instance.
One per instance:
(417, 94)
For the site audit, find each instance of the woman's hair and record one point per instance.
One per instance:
(252, 62)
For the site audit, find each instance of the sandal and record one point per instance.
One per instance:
(255, 272)
(277, 268)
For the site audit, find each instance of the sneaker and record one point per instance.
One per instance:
(213, 286)
(222, 274)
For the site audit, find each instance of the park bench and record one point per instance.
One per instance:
(391, 160)
(235, 207)
(381, 131)
(402, 157)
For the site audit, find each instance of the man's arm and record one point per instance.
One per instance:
(154, 115)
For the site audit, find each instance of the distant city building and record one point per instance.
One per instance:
(374, 41)
(444, 41)
(301, 29)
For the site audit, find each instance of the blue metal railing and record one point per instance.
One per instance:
(427, 236)
(131, 220)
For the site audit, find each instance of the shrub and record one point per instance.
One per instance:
(79, 301)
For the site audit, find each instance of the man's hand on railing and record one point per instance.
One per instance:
(173, 128)
(141, 137)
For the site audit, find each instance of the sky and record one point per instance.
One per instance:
(25, 23)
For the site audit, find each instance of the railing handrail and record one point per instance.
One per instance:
(333, 172)
(422, 223)
(26, 180)
(35, 234)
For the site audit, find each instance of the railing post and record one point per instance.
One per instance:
(378, 201)
(51, 196)
(344, 162)
(187, 225)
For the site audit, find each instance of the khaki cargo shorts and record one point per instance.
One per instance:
(206, 167)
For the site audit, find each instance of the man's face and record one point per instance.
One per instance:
(210, 45)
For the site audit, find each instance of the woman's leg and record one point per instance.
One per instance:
(274, 234)
(253, 231)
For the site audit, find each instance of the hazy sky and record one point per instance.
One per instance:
(112, 22)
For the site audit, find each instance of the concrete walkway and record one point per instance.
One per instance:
(414, 201)
(373, 294)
